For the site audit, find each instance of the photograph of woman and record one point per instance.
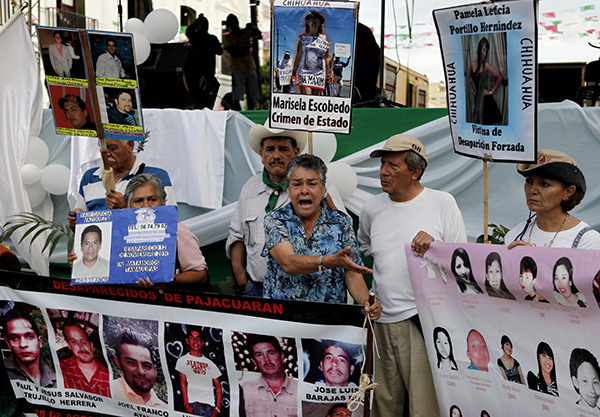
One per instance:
(455, 411)
(510, 368)
(527, 279)
(596, 287)
(461, 268)
(545, 380)
(60, 56)
(483, 80)
(553, 187)
(565, 291)
(444, 350)
(585, 376)
(312, 61)
(494, 284)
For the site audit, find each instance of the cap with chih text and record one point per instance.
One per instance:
(400, 143)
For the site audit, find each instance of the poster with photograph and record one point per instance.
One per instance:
(122, 246)
(113, 71)
(72, 110)
(137, 352)
(510, 332)
(62, 56)
(489, 52)
(312, 65)
(113, 59)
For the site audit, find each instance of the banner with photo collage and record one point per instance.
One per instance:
(312, 65)
(133, 351)
(511, 332)
(489, 52)
(114, 72)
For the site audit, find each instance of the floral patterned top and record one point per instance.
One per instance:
(332, 233)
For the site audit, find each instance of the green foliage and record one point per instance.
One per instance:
(497, 235)
(34, 223)
(265, 86)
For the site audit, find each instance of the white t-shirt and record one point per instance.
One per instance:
(385, 226)
(199, 372)
(564, 239)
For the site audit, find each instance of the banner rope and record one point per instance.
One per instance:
(365, 379)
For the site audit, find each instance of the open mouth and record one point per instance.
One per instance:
(305, 203)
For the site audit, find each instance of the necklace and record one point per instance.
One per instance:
(563, 224)
(306, 232)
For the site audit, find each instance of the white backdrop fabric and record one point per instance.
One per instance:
(20, 117)
(564, 126)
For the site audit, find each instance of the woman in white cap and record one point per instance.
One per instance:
(553, 187)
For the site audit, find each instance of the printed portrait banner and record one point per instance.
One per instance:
(512, 332)
(143, 345)
(115, 74)
(122, 246)
(312, 65)
(489, 52)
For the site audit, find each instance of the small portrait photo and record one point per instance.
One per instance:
(527, 279)
(132, 349)
(197, 367)
(494, 282)
(331, 363)
(585, 375)
(92, 244)
(596, 287)
(310, 409)
(545, 379)
(120, 106)
(565, 291)
(477, 351)
(79, 351)
(510, 368)
(266, 364)
(463, 272)
(444, 350)
(486, 85)
(72, 107)
(455, 411)
(112, 55)
(61, 53)
(25, 348)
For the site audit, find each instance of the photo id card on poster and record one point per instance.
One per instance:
(489, 53)
(122, 246)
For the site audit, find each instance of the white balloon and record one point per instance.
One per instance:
(142, 48)
(134, 25)
(324, 146)
(160, 26)
(37, 152)
(30, 174)
(343, 177)
(55, 179)
(36, 194)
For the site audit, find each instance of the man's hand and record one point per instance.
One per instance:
(518, 243)
(72, 258)
(374, 310)
(146, 283)
(421, 242)
(73, 219)
(115, 200)
(341, 260)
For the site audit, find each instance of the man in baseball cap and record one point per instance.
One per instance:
(261, 194)
(405, 212)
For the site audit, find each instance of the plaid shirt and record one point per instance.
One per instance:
(74, 378)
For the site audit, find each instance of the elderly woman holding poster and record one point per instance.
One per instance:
(553, 187)
(312, 62)
(313, 254)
